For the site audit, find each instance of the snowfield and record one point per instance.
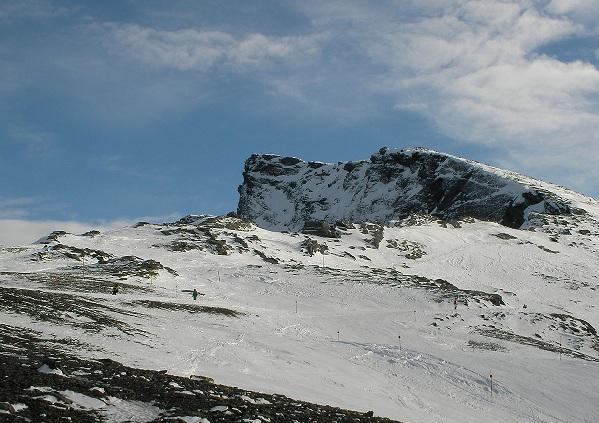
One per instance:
(325, 328)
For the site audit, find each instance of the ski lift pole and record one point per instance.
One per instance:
(491, 377)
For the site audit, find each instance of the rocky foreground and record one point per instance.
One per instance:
(40, 382)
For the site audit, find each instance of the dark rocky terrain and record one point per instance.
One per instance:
(87, 390)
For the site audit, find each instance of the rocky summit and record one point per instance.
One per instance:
(285, 193)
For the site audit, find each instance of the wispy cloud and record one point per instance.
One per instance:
(31, 9)
(34, 143)
(200, 50)
(18, 207)
(113, 162)
(584, 11)
(29, 207)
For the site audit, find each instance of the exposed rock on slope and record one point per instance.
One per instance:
(285, 193)
(67, 387)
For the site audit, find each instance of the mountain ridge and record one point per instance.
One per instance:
(284, 193)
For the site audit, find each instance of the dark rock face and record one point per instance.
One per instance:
(127, 266)
(321, 228)
(514, 213)
(53, 237)
(311, 247)
(91, 234)
(74, 253)
(286, 193)
(376, 231)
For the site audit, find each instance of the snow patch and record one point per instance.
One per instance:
(44, 368)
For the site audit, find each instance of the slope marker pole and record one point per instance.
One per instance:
(560, 347)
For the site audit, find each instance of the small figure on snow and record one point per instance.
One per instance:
(194, 294)
(115, 289)
(455, 303)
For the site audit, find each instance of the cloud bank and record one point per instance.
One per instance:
(18, 225)
(23, 232)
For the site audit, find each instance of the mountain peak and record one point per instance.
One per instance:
(281, 192)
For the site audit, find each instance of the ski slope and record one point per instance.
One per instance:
(325, 328)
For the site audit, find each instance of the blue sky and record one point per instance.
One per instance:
(116, 111)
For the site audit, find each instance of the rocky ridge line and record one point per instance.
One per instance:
(285, 193)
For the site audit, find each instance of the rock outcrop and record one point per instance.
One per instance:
(286, 193)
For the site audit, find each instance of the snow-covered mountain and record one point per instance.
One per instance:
(401, 293)
(285, 192)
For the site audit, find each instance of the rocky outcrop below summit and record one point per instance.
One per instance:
(284, 193)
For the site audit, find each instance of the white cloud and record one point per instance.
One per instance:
(585, 11)
(473, 68)
(540, 101)
(201, 50)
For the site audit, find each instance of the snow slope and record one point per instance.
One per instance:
(319, 319)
